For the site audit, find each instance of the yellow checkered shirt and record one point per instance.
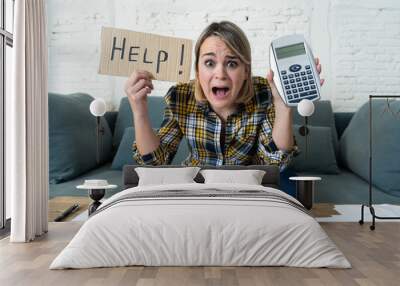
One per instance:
(248, 132)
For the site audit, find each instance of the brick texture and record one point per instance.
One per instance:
(358, 41)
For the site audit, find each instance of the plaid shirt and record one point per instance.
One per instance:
(245, 138)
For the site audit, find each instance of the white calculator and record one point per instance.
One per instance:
(295, 72)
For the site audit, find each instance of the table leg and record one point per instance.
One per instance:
(305, 193)
(96, 195)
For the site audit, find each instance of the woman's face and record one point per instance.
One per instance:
(221, 74)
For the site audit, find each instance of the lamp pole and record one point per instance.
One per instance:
(305, 108)
(98, 108)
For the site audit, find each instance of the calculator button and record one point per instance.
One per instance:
(290, 97)
(303, 77)
(308, 72)
(283, 72)
(310, 77)
(307, 93)
(284, 76)
(301, 89)
(305, 82)
(294, 90)
(292, 81)
(298, 79)
(291, 76)
(293, 85)
(288, 92)
(295, 68)
(307, 67)
(296, 96)
(297, 74)
(313, 87)
(299, 84)
(306, 88)
(285, 82)
(311, 82)
(303, 73)
(287, 86)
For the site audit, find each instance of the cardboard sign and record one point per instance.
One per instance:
(123, 51)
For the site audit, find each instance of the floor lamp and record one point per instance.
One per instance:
(97, 108)
(305, 108)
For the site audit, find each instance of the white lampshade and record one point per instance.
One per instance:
(305, 107)
(98, 107)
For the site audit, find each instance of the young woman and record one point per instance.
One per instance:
(227, 116)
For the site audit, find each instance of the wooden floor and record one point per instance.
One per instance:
(374, 255)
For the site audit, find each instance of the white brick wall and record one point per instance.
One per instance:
(358, 41)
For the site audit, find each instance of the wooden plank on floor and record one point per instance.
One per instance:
(59, 204)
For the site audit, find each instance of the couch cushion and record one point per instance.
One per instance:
(323, 116)
(72, 137)
(354, 145)
(124, 153)
(320, 156)
(125, 117)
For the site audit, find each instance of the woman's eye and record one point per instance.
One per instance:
(232, 64)
(209, 63)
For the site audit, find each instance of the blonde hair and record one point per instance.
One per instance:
(237, 41)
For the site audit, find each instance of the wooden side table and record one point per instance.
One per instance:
(96, 191)
(305, 190)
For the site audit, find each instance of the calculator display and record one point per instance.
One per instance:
(290, 51)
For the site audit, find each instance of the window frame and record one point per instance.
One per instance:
(6, 39)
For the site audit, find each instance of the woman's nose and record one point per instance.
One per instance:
(220, 72)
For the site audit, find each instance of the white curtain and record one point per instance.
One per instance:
(27, 124)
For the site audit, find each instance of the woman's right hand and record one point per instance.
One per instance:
(138, 86)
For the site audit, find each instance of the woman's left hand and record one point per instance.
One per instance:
(276, 98)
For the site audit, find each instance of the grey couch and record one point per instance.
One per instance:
(339, 185)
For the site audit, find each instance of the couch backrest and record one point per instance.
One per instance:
(323, 116)
(73, 137)
(125, 116)
(342, 119)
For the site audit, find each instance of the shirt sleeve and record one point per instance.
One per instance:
(170, 136)
(267, 153)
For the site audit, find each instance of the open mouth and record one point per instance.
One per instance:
(220, 91)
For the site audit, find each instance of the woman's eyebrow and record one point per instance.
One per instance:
(208, 54)
(213, 54)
